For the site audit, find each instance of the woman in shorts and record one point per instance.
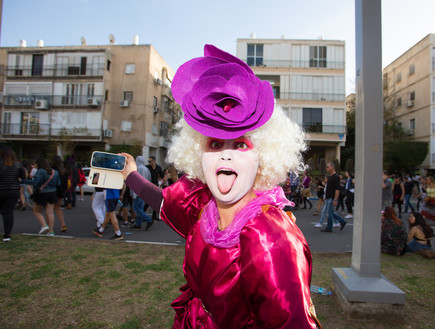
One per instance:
(45, 183)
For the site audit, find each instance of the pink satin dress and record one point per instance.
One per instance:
(261, 281)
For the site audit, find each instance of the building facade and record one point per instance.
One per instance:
(73, 100)
(409, 81)
(308, 80)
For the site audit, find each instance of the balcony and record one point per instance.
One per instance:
(51, 71)
(58, 101)
(304, 96)
(40, 131)
(339, 65)
(324, 129)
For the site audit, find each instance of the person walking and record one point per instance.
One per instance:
(156, 175)
(398, 194)
(57, 164)
(408, 186)
(350, 193)
(306, 193)
(11, 172)
(387, 190)
(331, 198)
(320, 192)
(99, 206)
(45, 183)
(138, 203)
(112, 198)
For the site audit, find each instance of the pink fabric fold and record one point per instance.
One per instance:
(230, 236)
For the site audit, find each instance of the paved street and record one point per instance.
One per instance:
(80, 221)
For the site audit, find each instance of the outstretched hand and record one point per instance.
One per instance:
(130, 165)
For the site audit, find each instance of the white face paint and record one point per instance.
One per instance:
(230, 167)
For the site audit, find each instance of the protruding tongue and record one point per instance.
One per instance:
(225, 182)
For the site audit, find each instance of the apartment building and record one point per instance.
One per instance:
(76, 99)
(308, 81)
(409, 81)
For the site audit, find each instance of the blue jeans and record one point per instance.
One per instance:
(414, 245)
(141, 216)
(332, 214)
(408, 203)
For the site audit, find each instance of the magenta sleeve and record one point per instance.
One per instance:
(147, 191)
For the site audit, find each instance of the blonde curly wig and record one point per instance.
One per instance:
(279, 144)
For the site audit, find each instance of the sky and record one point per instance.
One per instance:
(178, 30)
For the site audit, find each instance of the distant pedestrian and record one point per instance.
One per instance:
(306, 191)
(112, 198)
(331, 198)
(408, 184)
(138, 203)
(320, 192)
(398, 194)
(99, 206)
(45, 184)
(11, 171)
(57, 164)
(387, 190)
(156, 175)
(350, 193)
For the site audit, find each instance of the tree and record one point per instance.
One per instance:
(404, 156)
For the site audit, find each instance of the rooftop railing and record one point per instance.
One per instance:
(305, 64)
(312, 96)
(55, 70)
(44, 131)
(26, 101)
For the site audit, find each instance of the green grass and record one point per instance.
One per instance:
(73, 283)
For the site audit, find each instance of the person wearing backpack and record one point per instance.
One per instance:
(57, 164)
(45, 183)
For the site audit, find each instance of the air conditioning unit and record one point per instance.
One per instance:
(93, 101)
(156, 110)
(158, 81)
(41, 104)
(108, 133)
(124, 103)
(410, 104)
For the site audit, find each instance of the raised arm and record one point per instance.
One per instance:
(147, 191)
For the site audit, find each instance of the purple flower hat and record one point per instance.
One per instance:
(220, 95)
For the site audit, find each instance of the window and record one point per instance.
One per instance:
(129, 68)
(106, 95)
(83, 62)
(317, 56)
(399, 102)
(255, 55)
(6, 123)
(412, 124)
(399, 125)
(399, 77)
(37, 63)
(128, 96)
(411, 69)
(164, 129)
(154, 102)
(91, 89)
(108, 65)
(312, 119)
(29, 123)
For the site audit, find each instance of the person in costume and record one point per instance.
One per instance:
(247, 265)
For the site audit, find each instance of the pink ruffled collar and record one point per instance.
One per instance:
(230, 236)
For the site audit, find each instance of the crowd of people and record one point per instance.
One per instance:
(48, 188)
